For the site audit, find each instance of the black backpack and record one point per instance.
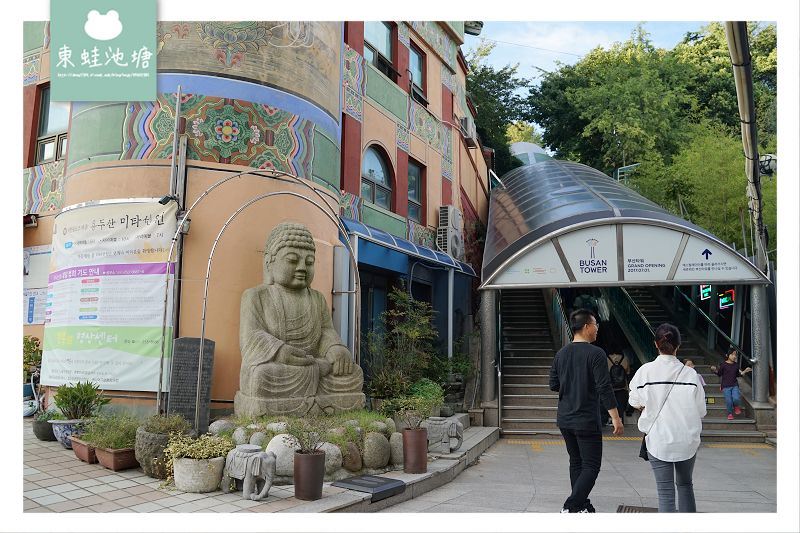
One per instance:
(617, 372)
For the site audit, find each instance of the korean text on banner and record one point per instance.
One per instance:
(105, 297)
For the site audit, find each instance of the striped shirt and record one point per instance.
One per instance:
(675, 432)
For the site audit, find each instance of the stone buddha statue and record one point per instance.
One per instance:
(293, 361)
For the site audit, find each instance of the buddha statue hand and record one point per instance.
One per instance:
(289, 355)
(339, 357)
(324, 366)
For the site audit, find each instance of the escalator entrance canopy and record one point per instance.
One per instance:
(560, 224)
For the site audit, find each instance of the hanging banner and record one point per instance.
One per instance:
(35, 272)
(105, 297)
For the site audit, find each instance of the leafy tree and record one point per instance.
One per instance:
(521, 131)
(494, 93)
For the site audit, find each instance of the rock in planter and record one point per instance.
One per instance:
(240, 436)
(149, 452)
(277, 427)
(380, 427)
(219, 426)
(376, 450)
(258, 438)
(352, 458)
(396, 447)
(198, 475)
(391, 425)
(284, 454)
(333, 457)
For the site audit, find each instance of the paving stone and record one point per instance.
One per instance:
(40, 510)
(171, 501)
(29, 504)
(75, 494)
(115, 494)
(47, 500)
(38, 493)
(245, 504)
(146, 507)
(138, 489)
(94, 499)
(101, 489)
(37, 477)
(74, 477)
(124, 484)
(188, 507)
(84, 483)
(225, 508)
(192, 496)
(65, 506)
(130, 501)
(81, 510)
(276, 506)
(106, 507)
(110, 478)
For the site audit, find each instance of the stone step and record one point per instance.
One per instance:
(516, 370)
(527, 361)
(528, 424)
(737, 424)
(522, 379)
(529, 352)
(722, 435)
(528, 388)
(526, 401)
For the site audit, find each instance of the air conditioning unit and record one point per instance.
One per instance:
(469, 132)
(450, 232)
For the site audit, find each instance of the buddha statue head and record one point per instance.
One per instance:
(289, 256)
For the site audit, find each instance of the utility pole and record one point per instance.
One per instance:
(739, 48)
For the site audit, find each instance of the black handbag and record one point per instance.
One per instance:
(643, 447)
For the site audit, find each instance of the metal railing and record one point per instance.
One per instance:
(711, 323)
(633, 323)
(560, 318)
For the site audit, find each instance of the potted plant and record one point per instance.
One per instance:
(412, 410)
(76, 402)
(83, 450)
(31, 361)
(152, 438)
(196, 464)
(307, 436)
(41, 425)
(113, 437)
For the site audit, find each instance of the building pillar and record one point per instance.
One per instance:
(488, 345)
(401, 184)
(760, 335)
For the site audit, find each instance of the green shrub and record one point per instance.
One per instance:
(166, 424)
(425, 388)
(412, 410)
(50, 414)
(31, 356)
(81, 400)
(114, 431)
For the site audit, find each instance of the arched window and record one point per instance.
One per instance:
(376, 181)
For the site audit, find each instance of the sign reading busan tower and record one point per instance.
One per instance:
(591, 253)
(105, 294)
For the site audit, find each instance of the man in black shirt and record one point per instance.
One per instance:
(580, 376)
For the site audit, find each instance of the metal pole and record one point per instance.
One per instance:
(488, 344)
(260, 174)
(711, 338)
(450, 286)
(236, 213)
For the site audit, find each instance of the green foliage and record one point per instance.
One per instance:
(440, 368)
(31, 356)
(495, 95)
(50, 414)
(402, 346)
(166, 424)
(412, 410)
(114, 431)
(78, 401)
(521, 131)
(427, 389)
(183, 446)
(309, 432)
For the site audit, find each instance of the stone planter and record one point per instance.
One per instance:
(63, 430)
(309, 472)
(117, 459)
(83, 450)
(149, 451)
(199, 475)
(43, 430)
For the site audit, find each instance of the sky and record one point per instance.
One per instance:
(543, 44)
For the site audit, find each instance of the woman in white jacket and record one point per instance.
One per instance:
(673, 404)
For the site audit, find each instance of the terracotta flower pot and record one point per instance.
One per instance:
(43, 430)
(309, 472)
(83, 450)
(415, 451)
(117, 459)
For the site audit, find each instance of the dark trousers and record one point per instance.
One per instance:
(585, 449)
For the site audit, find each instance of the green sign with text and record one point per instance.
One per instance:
(102, 50)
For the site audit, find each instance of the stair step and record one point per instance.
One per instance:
(529, 401)
(528, 424)
(737, 424)
(541, 379)
(722, 435)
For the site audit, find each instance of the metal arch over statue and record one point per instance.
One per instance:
(293, 361)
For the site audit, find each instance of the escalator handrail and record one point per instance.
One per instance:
(638, 311)
(564, 319)
(733, 344)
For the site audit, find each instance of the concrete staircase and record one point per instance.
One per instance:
(716, 426)
(528, 405)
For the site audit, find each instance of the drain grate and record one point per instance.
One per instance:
(636, 509)
(380, 487)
